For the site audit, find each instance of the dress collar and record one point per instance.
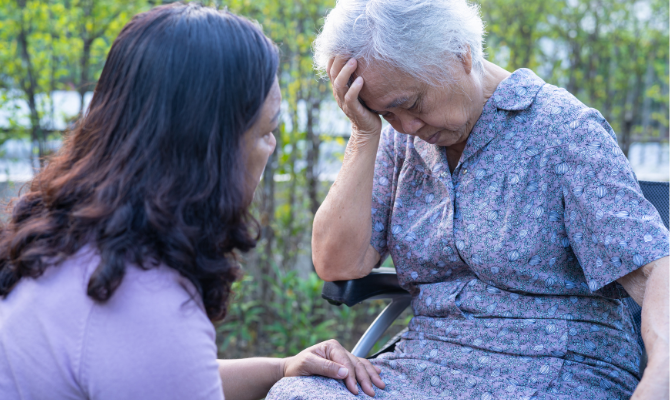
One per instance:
(518, 90)
(514, 93)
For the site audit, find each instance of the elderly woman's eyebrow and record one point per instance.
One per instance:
(397, 102)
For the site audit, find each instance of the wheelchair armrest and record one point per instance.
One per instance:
(382, 283)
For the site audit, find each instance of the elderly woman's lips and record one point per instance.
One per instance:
(433, 139)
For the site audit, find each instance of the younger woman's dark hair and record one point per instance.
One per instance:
(154, 171)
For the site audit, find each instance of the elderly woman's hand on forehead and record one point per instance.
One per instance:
(340, 71)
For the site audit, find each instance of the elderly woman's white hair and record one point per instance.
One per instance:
(422, 38)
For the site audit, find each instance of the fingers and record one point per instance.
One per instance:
(332, 360)
(336, 66)
(310, 362)
(333, 350)
(373, 372)
(350, 381)
(344, 72)
(363, 378)
(340, 84)
(361, 371)
(328, 368)
(351, 97)
(330, 64)
(340, 71)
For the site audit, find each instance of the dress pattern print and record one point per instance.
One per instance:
(512, 258)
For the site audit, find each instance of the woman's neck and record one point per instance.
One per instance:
(493, 75)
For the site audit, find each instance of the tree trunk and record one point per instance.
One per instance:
(313, 143)
(593, 59)
(83, 77)
(267, 215)
(630, 113)
(575, 64)
(610, 76)
(648, 82)
(29, 87)
(87, 38)
(290, 243)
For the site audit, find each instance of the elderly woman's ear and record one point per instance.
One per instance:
(466, 60)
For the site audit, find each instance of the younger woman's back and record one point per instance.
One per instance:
(154, 170)
(56, 342)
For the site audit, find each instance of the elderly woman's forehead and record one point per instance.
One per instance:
(386, 79)
(377, 71)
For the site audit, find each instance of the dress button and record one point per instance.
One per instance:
(465, 171)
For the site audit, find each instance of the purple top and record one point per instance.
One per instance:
(151, 340)
(512, 258)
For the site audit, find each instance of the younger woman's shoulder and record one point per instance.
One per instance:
(148, 336)
(154, 295)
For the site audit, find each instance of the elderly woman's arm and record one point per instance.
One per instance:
(342, 227)
(648, 286)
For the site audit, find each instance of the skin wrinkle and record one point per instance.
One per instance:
(635, 283)
(180, 201)
(444, 31)
(326, 358)
(398, 102)
(452, 114)
(654, 295)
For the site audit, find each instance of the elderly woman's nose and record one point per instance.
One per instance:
(411, 125)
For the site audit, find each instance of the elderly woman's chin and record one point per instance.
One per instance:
(446, 138)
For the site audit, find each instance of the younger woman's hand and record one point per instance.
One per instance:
(363, 121)
(331, 360)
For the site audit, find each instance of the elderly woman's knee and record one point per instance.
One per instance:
(309, 388)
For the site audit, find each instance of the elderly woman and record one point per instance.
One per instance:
(511, 215)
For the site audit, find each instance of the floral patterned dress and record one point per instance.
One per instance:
(512, 258)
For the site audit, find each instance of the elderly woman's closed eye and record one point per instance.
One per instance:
(508, 209)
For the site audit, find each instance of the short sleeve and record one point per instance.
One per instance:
(151, 340)
(613, 230)
(383, 191)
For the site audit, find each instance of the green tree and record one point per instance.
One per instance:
(292, 25)
(53, 45)
(93, 25)
(611, 54)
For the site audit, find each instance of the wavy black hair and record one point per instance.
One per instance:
(154, 170)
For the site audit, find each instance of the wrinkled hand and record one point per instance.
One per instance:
(331, 360)
(363, 121)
